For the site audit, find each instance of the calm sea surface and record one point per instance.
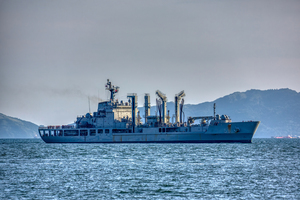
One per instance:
(265, 169)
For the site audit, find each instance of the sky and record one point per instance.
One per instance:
(55, 55)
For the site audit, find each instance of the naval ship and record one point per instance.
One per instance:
(120, 122)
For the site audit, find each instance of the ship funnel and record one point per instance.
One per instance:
(147, 106)
(133, 97)
(177, 100)
(163, 98)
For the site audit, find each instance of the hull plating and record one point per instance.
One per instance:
(214, 134)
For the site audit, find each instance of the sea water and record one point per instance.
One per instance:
(264, 169)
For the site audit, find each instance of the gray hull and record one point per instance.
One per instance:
(222, 133)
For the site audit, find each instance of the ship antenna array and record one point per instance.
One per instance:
(113, 89)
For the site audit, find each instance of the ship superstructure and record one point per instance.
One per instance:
(119, 122)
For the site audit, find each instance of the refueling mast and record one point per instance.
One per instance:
(133, 97)
(179, 109)
(147, 106)
(118, 113)
(163, 98)
(179, 102)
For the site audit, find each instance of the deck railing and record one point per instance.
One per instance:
(58, 127)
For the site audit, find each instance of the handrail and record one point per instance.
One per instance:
(58, 127)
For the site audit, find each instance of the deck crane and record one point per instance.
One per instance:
(192, 119)
(203, 118)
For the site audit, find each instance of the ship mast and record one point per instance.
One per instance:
(113, 89)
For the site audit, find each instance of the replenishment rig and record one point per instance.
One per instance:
(120, 122)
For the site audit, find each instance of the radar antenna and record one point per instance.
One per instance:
(113, 89)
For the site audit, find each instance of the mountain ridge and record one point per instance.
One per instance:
(11, 127)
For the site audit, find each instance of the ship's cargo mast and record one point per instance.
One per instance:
(163, 98)
(134, 105)
(177, 100)
(181, 111)
(147, 106)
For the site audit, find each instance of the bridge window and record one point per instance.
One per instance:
(51, 133)
(71, 132)
(60, 133)
(41, 133)
(83, 132)
(106, 130)
(171, 129)
(119, 130)
(92, 132)
(100, 131)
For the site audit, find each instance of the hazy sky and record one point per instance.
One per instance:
(54, 54)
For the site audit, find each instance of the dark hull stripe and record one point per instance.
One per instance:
(187, 141)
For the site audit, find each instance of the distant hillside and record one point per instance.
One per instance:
(278, 110)
(15, 128)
